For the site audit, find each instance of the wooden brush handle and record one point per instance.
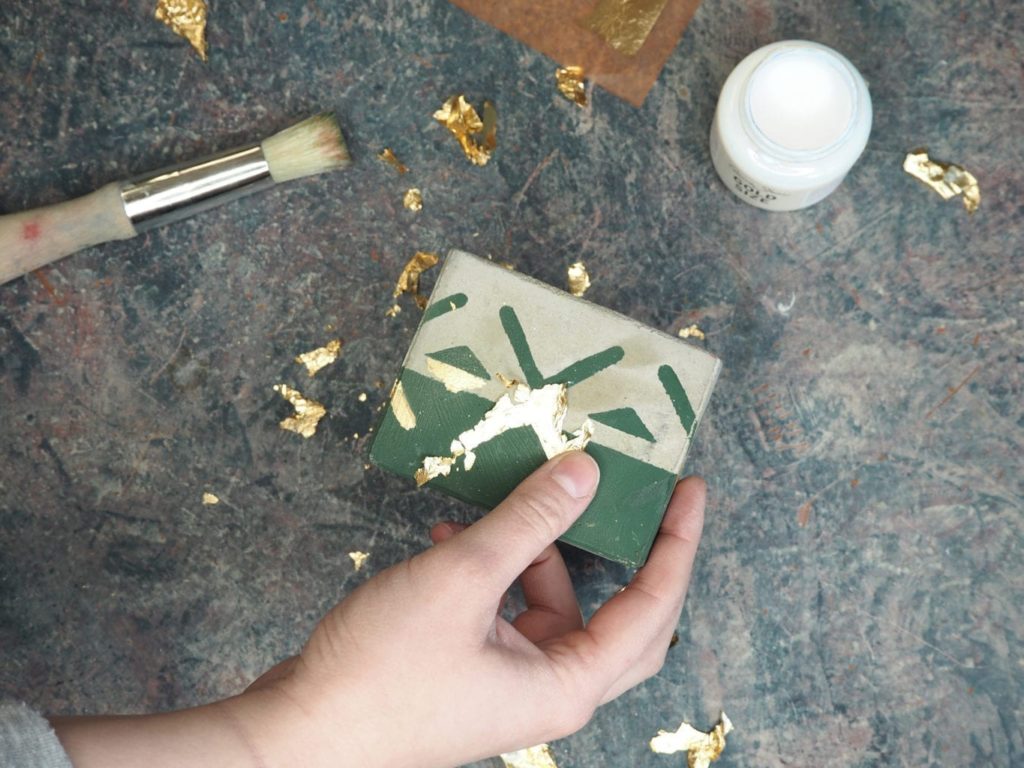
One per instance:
(33, 239)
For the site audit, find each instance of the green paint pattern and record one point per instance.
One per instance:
(461, 358)
(521, 347)
(587, 367)
(676, 393)
(625, 420)
(445, 305)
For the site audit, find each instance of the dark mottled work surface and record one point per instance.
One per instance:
(858, 598)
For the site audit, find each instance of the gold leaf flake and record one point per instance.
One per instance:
(409, 280)
(579, 280)
(701, 748)
(947, 179)
(404, 414)
(506, 381)
(459, 117)
(624, 24)
(571, 85)
(454, 379)
(320, 357)
(543, 409)
(209, 499)
(434, 466)
(389, 157)
(413, 199)
(691, 332)
(362, 397)
(307, 412)
(186, 18)
(392, 311)
(532, 757)
(359, 559)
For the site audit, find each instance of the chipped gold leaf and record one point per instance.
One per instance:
(210, 499)
(409, 280)
(454, 379)
(434, 466)
(392, 311)
(404, 414)
(542, 409)
(701, 748)
(539, 756)
(578, 278)
(359, 559)
(459, 117)
(624, 24)
(947, 179)
(362, 397)
(307, 412)
(413, 199)
(571, 84)
(391, 159)
(691, 332)
(320, 357)
(186, 18)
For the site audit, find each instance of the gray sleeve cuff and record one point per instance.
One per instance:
(27, 740)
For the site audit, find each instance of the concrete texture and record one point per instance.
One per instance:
(858, 596)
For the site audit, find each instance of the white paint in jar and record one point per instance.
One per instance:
(792, 119)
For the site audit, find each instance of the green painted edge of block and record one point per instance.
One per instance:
(625, 420)
(461, 357)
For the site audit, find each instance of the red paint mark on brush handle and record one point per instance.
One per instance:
(30, 230)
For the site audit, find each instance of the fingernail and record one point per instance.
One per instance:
(577, 473)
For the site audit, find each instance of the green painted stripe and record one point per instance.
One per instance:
(676, 393)
(517, 338)
(463, 359)
(445, 305)
(587, 367)
(625, 420)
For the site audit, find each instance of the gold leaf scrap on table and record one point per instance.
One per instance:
(571, 85)
(359, 559)
(209, 499)
(543, 409)
(459, 117)
(391, 159)
(533, 757)
(320, 357)
(413, 199)
(403, 412)
(409, 280)
(307, 412)
(701, 748)
(949, 180)
(578, 278)
(691, 332)
(624, 24)
(186, 18)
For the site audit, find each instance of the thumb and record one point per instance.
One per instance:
(536, 513)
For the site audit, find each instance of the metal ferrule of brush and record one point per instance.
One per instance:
(171, 194)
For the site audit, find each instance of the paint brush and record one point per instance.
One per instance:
(121, 210)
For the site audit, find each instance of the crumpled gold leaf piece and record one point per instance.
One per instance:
(691, 332)
(459, 117)
(307, 412)
(320, 357)
(391, 159)
(624, 24)
(701, 748)
(571, 85)
(209, 499)
(578, 278)
(543, 409)
(359, 559)
(409, 280)
(186, 18)
(533, 757)
(947, 179)
(413, 199)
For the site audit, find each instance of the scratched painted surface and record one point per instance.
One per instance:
(858, 596)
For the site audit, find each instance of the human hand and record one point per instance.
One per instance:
(418, 668)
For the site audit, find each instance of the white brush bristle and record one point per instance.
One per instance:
(313, 146)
